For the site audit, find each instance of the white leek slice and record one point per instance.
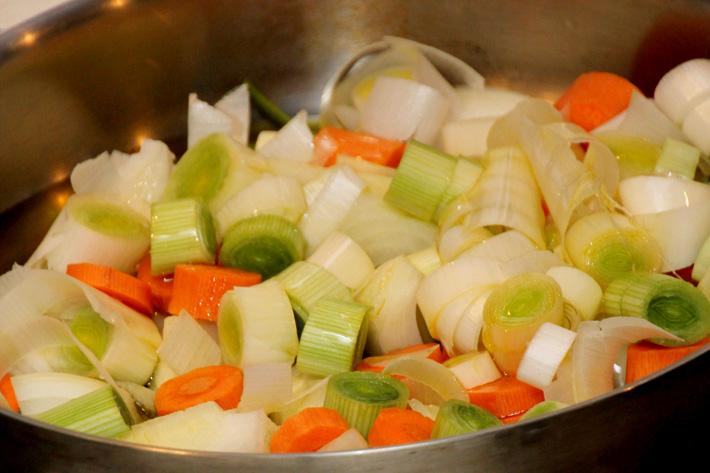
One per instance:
(267, 386)
(94, 229)
(503, 247)
(136, 180)
(39, 392)
(597, 347)
(683, 87)
(391, 294)
(205, 427)
(351, 439)
(562, 388)
(294, 141)
(678, 159)
(256, 325)
(450, 316)
(428, 381)
(236, 104)
(399, 109)
(143, 397)
(473, 369)
(340, 255)
(467, 137)
(427, 410)
(459, 238)
(485, 102)
(331, 206)
(273, 195)
(129, 358)
(186, 346)
(312, 396)
(696, 124)
(544, 354)
(468, 331)
(662, 205)
(203, 119)
(384, 232)
(579, 289)
(644, 119)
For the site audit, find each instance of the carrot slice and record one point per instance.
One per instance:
(644, 358)
(128, 289)
(331, 141)
(368, 364)
(161, 287)
(594, 98)
(505, 397)
(395, 426)
(308, 430)
(8, 392)
(198, 288)
(220, 383)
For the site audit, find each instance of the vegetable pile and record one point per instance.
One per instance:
(436, 260)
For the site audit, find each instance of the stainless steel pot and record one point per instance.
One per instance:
(97, 75)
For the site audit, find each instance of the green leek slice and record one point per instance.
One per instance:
(678, 159)
(359, 396)
(182, 231)
(669, 303)
(421, 180)
(99, 412)
(542, 408)
(91, 330)
(265, 244)
(333, 338)
(460, 417)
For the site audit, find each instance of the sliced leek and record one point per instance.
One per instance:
(267, 386)
(265, 244)
(473, 369)
(459, 238)
(40, 392)
(513, 313)
(579, 289)
(460, 417)
(359, 396)
(340, 255)
(669, 303)
(678, 159)
(426, 261)
(543, 408)
(544, 354)
(427, 380)
(333, 338)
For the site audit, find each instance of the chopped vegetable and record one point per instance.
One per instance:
(222, 384)
(395, 426)
(199, 288)
(459, 417)
(506, 397)
(186, 345)
(542, 408)
(331, 141)
(644, 359)
(678, 159)
(161, 287)
(130, 290)
(308, 431)
(8, 392)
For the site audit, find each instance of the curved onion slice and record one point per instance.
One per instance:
(428, 381)
(663, 205)
(468, 331)
(450, 316)
(597, 346)
(294, 141)
(459, 238)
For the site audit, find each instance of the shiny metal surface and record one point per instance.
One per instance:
(98, 75)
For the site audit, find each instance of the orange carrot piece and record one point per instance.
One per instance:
(395, 426)
(8, 392)
(644, 358)
(594, 98)
(220, 383)
(308, 430)
(331, 141)
(198, 288)
(511, 419)
(161, 287)
(368, 363)
(128, 289)
(505, 397)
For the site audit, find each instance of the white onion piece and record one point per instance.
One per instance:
(597, 346)
(312, 188)
(302, 172)
(662, 205)
(340, 255)
(474, 369)
(681, 88)
(330, 206)
(697, 124)
(426, 261)
(236, 104)
(704, 285)
(449, 317)
(12, 279)
(485, 102)
(428, 381)
(274, 195)
(503, 247)
(264, 137)
(312, 396)
(459, 238)
(427, 410)
(579, 289)
(399, 109)
(562, 388)
(466, 137)
(351, 439)
(186, 346)
(468, 331)
(203, 119)
(267, 386)
(644, 119)
(35, 334)
(360, 165)
(383, 231)
(39, 392)
(391, 294)
(294, 141)
(161, 374)
(143, 397)
(137, 179)
(544, 354)
(347, 115)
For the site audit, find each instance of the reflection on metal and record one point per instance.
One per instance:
(28, 39)
(118, 3)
